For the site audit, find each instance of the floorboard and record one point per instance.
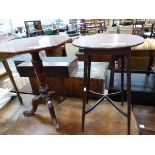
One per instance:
(104, 120)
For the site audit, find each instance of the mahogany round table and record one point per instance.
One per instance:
(107, 44)
(33, 46)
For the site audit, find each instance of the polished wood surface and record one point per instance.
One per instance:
(145, 115)
(4, 58)
(107, 44)
(9, 72)
(73, 85)
(12, 122)
(32, 44)
(51, 69)
(4, 39)
(108, 41)
(147, 49)
(140, 50)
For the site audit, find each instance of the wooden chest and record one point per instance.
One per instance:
(73, 84)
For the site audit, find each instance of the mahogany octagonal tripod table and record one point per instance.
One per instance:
(107, 44)
(3, 59)
(33, 46)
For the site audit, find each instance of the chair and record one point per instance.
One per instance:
(126, 29)
(33, 28)
(101, 25)
(150, 34)
(111, 29)
(72, 30)
(138, 26)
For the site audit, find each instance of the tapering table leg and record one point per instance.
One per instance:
(128, 58)
(150, 63)
(46, 96)
(5, 63)
(112, 72)
(85, 88)
(122, 79)
(88, 75)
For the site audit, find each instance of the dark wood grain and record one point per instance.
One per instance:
(107, 44)
(6, 65)
(32, 44)
(51, 69)
(4, 58)
(12, 122)
(108, 41)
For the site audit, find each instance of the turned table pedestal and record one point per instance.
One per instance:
(33, 46)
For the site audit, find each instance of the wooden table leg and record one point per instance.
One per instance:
(150, 64)
(46, 96)
(88, 76)
(85, 88)
(5, 63)
(112, 72)
(122, 79)
(128, 60)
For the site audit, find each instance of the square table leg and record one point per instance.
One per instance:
(7, 68)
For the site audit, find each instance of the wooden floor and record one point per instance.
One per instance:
(145, 115)
(104, 120)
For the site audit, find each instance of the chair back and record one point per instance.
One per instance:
(33, 28)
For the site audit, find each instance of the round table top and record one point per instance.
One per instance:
(108, 41)
(32, 44)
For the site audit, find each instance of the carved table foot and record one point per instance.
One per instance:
(41, 100)
(52, 113)
(46, 96)
(35, 102)
(20, 100)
